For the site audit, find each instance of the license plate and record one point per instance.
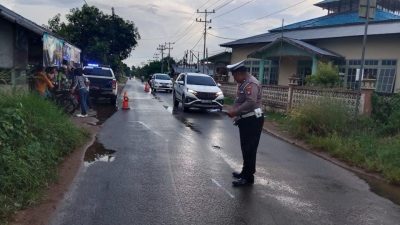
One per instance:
(206, 101)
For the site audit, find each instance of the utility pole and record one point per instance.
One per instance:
(155, 56)
(367, 10)
(169, 51)
(205, 21)
(162, 48)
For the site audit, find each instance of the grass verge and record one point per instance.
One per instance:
(331, 127)
(34, 137)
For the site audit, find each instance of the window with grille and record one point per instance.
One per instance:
(384, 71)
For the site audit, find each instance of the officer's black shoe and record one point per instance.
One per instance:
(236, 175)
(242, 182)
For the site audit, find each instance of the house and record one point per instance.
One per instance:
(297, 48)
(24, 44)
(218, 63)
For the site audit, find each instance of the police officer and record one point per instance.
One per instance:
(248, 116)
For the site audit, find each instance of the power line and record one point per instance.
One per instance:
(197, 42)
(184, 33)
(214, 3)
(224, 4)
(240, 6)
(268, 15)
(222, 37)
(204, 4)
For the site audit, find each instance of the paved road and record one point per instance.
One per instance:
(175, 168)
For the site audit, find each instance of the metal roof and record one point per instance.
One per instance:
(219, 56)
(339, 19)
(22, 21)
(28, 24)
(321, 33)
(299, 44)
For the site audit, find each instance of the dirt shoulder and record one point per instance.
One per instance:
(39, 213)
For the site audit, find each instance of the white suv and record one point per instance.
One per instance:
(160, 81)
(195, 90)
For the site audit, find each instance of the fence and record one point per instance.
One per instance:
(284, 98)
(14, 79)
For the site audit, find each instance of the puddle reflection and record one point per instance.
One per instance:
(97, 153)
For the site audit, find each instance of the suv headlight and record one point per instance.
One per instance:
(218, 93)
(192, 91)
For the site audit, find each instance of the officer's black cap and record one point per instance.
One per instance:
(237, 67)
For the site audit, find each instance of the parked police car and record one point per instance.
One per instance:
(102, 82)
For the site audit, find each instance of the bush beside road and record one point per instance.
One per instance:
(34, 137)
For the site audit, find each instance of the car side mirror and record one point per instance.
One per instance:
(181, 82)
(219, 85)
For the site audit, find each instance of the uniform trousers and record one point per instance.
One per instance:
(250, 129)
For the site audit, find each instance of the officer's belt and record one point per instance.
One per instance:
(250, 114)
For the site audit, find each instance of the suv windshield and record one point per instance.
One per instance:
(97, 72)
(200, 80)
(163, 77)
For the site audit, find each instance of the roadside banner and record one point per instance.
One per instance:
(67, 51)
(52, 51)
(76, 55)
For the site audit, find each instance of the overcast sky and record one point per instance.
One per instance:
(161, 21)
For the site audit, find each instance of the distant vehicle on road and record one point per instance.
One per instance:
(195, 90)
(102, 82)
(160, 81)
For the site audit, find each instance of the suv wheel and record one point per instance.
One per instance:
(113, 100)
(185, 108)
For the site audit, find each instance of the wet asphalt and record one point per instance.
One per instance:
(157, 165)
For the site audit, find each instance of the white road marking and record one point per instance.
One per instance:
(224, 189)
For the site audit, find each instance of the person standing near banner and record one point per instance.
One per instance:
(249, 117)
(81, 87)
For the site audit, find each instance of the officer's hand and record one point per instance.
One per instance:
(231, 113)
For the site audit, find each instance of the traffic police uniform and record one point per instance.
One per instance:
(250, 120)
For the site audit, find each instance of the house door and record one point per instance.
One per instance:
(304, 69)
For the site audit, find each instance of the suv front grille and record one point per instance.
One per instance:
(206, 95)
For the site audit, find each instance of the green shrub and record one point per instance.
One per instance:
(34, 136)
(321, 118)
(329, 126)
(327, 75)
(386, 112)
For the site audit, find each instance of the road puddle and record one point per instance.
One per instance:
(103, 112)
(383, 189)
(189, 124)
(97, 153)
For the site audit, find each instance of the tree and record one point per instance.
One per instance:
(106, 39)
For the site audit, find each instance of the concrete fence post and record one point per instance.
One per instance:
(293, 82)
(367, 90)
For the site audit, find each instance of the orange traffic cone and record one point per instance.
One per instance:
(125, 102)
(146, 87)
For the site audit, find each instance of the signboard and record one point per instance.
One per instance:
(362, 11)
(52, 51)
